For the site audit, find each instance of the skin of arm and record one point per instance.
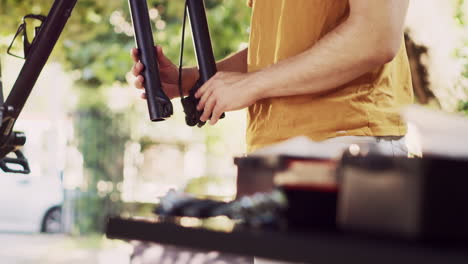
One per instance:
(369, 38)
(236, 62)
(169, 73)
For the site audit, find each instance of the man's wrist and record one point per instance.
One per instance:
(257, 85)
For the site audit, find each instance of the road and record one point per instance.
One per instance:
(60, 249)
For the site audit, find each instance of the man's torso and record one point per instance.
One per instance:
(367, 106)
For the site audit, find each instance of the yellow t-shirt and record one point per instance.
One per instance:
(367, 106)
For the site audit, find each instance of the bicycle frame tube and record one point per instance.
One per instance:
(201, 39)
(159, 105)
(2, 100)
(41, 49)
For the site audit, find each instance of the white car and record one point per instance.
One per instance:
(30, 203)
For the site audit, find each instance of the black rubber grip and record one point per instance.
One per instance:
(159, 105)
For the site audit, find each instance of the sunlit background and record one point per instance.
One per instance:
(93, 151)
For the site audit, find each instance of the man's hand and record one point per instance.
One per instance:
(168, 72)
(226, 91)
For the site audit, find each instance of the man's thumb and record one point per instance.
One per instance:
(162, 59)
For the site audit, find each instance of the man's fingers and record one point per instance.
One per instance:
(208, 109)
(137, 69)
(139, 82)
(217, 112)
(205, 97)
(134, 54)
(205, 87)
(203, 94)
(201, 90)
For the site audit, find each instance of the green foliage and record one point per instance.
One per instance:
(201, 187)
(462, 53)
(102, 135)
(463, 107)
(460, 13)
(94, 44)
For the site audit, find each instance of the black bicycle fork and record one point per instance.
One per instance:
(37, 52)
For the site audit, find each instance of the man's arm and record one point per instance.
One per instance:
(369, 38)
(236, 62)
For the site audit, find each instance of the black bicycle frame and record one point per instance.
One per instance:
(36, 59)
(39, 52)
(37, 56)
(201, 40)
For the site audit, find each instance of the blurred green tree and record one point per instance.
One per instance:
(461, 18)
(102, 135)
(98, 37)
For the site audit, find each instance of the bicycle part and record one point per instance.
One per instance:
(159, 105)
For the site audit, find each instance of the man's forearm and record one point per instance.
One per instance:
(335, 60)
(236, 62)
(351, 50)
